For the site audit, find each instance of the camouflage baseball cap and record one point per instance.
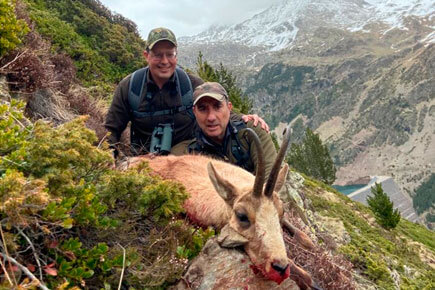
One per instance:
(159, 34)
(212, 90)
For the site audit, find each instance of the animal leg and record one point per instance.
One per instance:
(299, 235)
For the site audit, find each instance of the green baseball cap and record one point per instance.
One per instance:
(159, 34)
(210, 89)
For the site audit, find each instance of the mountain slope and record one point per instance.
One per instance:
(358, 72)
(82, 219)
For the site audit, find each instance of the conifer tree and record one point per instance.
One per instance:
(382, 207)
(241, 103)
(312, 158)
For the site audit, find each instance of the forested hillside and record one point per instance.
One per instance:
(68, 220)
(104, 46)
(424, 200)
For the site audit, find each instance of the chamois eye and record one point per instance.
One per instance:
(243, 218)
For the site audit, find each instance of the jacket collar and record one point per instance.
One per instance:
(208, 144)
(170, 84)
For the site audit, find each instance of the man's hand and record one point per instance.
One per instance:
(256, 119)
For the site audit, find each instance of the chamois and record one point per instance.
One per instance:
(224, 194)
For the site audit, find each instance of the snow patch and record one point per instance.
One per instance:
(279, 26)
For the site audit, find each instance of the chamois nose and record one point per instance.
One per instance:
(280, 268)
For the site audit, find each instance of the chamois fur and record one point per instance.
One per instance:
(225, 195)
(210, 206)
(204, 206)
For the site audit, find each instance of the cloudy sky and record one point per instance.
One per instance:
(186, 17)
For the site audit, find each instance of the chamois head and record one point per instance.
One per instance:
(256, 214)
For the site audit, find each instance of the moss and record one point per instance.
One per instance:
(418, 233)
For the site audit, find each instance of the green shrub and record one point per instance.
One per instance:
(382, 207)
(59, 193)
(11, 29)
(312, 158)
(374, 251)
(241, 103)
(102, 48)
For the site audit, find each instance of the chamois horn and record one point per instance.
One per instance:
(271, 181)
(261, 169)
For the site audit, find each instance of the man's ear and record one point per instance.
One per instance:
(146, 54)
(230, 106)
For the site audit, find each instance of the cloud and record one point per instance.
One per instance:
(185, 17)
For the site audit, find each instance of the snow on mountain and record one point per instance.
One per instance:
(278, 26)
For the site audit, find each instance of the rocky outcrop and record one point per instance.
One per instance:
(226, 268)
(4, 90)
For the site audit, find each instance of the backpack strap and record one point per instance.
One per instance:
(137, 81)
(239, 153)
(184, 89)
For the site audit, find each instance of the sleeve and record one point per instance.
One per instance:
(235, 117)
(118, 115)
(269, 150)
(181, 148)
(196, 81)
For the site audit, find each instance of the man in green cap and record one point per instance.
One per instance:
(157, 100)
(223, 137)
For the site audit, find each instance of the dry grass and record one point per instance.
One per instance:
(327, 270)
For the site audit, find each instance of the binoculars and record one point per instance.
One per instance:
(161, 139)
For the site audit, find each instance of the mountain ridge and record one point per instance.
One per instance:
(95, 227)
(366, 88)
(278, 26)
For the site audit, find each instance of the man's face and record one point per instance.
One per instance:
(213, 117)
(162, 60)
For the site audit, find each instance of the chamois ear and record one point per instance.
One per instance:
(282, 176)
(223, 187)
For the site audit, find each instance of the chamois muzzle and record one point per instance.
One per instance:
(279, 268)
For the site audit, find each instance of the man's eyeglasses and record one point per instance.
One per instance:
(159, 56)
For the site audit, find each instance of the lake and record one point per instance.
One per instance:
(348, 189)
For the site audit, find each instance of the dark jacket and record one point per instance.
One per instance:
(233, 136)
(141, 128)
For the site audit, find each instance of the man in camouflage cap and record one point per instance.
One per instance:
(159, 99)
(159, 34)
(223, 137)
(157, 95)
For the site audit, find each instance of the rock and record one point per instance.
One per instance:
(226, 268)
(396, 278)
(4, 90)
(335, 228)
(290, 191)
(360, 180)
(229, 238)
